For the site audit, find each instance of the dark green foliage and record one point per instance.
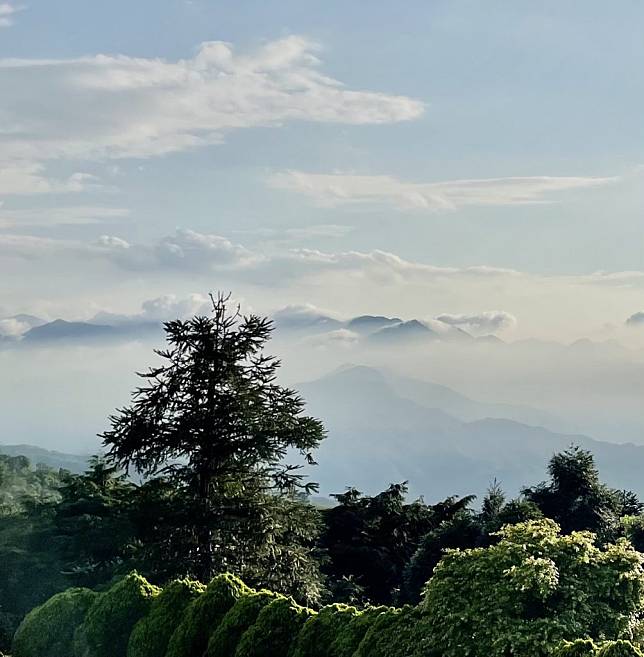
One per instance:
(213, 419)
(203, 615)
(370, 540)
(576, 648)
(461, 531)
(320, 631)
(30, 572)
(351, 634)
(92, 525)
(396, 633)
(48, 630)
(109, 621)
(577, 500)
(618, 648)
(152, 633)
(275, 631)
(224, 640)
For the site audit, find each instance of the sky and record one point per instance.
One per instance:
(477, 163)
(446, 157)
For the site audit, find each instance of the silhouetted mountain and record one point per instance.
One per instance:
(377, 436)
(371, 323)
(60, 329)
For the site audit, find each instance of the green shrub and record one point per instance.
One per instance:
(396, 633)
(48, 630)
(532, 590)
(351, 634)
(576, 648)
(275, 631)
(320, 631)
(618, 649)
(203, 615)
(109, 621)
(224, 640)
(152, 633)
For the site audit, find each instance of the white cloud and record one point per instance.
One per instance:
(12, 327)
(337, 189)
(27, 178)
(161, 309)
(60, 215)
(7, 13)
(492, 321)
(117, 106)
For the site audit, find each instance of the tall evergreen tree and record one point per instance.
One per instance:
(212, 419)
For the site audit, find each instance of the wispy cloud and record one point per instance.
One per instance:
(29, 178)
(338, 189)
(7, 13)
(491, 321)
(119, 106)
(60, 215)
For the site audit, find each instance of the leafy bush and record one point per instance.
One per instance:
(532, 590)
(109, 621)
(203, 615)
(152, 633)
(351, 633)
(48, 630)
(275, 630)
(618, 649)
(320, 631)
(576, 648)
(224, 640)
(396, 633)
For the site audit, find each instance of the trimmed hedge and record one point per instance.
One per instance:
(225, 639)
(151, 635)
(576, 648)
(396, 633)
(48, 630)
(618, 648)
(275, 631)
(320, 631)
(350, 636)
(203, 615)
(109, 621)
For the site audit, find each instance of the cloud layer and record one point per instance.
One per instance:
(332, 190)
(117, 106)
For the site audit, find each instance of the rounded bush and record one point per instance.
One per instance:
(203, 615)
(48, 630)
(111, 618)
(224, 640)
(351, 634)
(319, 631)
(275, 631)
(576, 648)
(152, 633)
(395, 633)
(618, 648)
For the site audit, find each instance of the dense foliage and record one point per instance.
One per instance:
(532, 590)
(109, 621)
(48, 630)
(152, 633)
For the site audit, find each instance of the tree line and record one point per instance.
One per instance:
(205, 472)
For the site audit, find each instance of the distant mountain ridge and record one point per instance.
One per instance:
(76, 463)
(377, 435)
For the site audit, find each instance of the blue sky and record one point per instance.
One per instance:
(118, 127)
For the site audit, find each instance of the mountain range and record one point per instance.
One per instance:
(384, 428)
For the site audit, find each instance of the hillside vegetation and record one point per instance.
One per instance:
(214, 549)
